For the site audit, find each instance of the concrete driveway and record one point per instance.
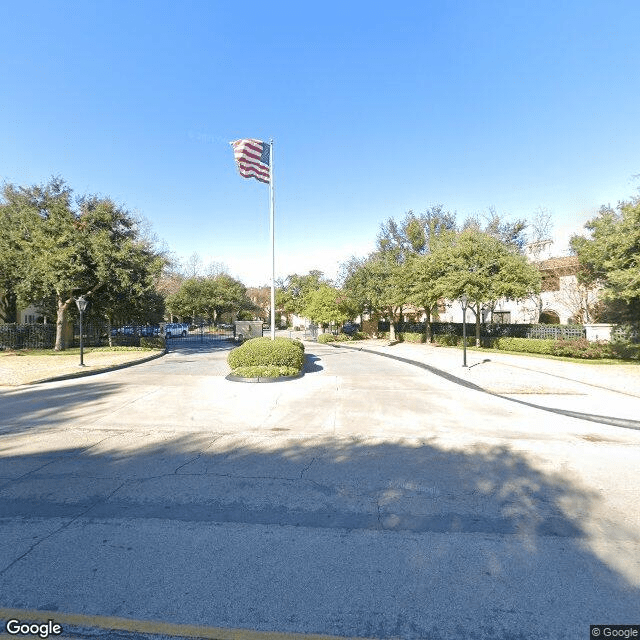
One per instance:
(370, 498)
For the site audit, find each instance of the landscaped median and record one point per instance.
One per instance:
(38, 365)
(266, 360)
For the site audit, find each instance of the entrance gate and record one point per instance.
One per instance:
(202, 335)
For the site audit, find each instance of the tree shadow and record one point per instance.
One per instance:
(472, 539)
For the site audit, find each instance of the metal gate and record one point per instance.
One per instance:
(202, 336)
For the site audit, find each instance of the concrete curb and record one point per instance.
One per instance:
(233, 378)
(93, 372)
(615, 422)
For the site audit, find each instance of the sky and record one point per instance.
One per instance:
(375, 109)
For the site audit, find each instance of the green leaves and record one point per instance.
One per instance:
(611, 256)
(53, 249)
(208, 297)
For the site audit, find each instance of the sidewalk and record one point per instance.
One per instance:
(508, 374)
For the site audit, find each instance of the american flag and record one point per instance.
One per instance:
(253, 158)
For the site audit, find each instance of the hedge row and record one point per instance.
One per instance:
(577, 348)
(323, 338)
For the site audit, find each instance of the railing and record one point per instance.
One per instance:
(490, 330)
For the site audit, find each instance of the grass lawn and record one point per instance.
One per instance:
(35, 365)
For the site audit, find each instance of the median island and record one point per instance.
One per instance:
(266, 360)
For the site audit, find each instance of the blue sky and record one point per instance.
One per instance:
(375, 108)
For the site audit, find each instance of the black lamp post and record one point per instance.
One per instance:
(464, 300)
(81, 303)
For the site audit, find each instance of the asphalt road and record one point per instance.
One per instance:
(367, 499)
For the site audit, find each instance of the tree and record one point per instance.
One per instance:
(379, 283)
(425, 275)
(208, 297)
(611, 257)
(327, 305)
(94, 249)
(484, 269)
(410, 243)
(292, 292)
(417, 234)
(511, 234)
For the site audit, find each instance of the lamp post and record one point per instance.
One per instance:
(464, 300)
(81, 303)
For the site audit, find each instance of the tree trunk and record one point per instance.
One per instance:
(60, 324)
(392, 325)
(427, 324)
(477, 310)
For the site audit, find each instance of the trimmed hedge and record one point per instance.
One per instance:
(267, 358)
(153, 342)
(323, 338)
(265, 371)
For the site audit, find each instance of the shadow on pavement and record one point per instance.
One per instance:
(313, 534)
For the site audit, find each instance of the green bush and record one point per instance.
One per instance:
(576, 348)
(447, 339)
(580, 348)
(265, 371)
(624, 350)
(323, 338)
(153, 342)
(264, 352)
(412, 337)
(525, 345)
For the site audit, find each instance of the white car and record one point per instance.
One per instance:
(176, 329)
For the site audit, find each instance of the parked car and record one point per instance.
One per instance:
(148, 331)
(176, 329)
(350, 328)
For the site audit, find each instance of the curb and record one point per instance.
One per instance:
(82, 374)
(233, 378)
(614, 422)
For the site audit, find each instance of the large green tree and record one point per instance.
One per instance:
(91, 247)
(484, 269)
(410, 244)
(610, 257)
(293, 292)
(208, 297)
(327, 305)
(379, 284)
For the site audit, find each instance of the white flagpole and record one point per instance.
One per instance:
(273, 244)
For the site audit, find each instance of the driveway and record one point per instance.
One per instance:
(370, 498)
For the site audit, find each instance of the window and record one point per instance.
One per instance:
(502, 317)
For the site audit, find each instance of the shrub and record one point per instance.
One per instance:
(525, 345)
(153, 342)
(624, 350)
(265, 371)
(412, 337)
(580, 348)
(323, 338)
(264, 352)
(447, 339)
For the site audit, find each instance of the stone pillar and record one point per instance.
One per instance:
(598, 332)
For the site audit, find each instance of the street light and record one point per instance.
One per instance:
(464, 300)
(81, 303)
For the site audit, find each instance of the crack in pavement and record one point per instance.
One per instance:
(61, 528)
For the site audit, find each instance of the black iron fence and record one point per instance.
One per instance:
(43, 336)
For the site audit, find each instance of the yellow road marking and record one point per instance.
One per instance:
(150, 627)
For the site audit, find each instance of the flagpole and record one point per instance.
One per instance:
(273, 244)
